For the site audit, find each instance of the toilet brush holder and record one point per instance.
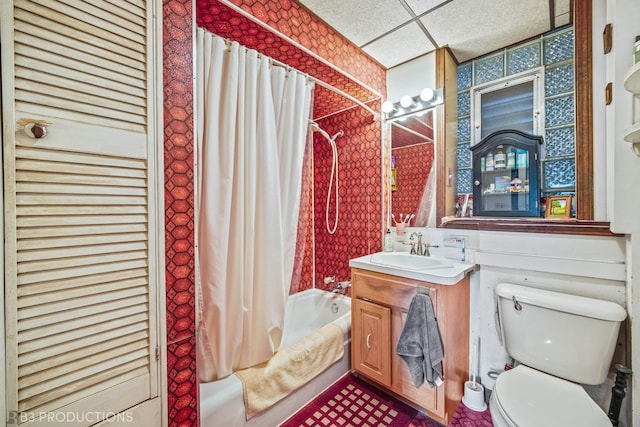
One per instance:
(474, 396)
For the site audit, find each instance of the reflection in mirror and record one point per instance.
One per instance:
(412, 169)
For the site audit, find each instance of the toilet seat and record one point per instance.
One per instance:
(524, 397)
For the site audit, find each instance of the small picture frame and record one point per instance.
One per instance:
(558, 207)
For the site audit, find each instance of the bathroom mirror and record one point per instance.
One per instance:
(412, 168)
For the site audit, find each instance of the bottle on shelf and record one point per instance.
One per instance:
(522, 159)
(388, 241)
(500, 158)
(482, 164)
(511, 158)
(489, 164)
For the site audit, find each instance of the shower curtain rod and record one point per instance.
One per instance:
(330, 87)
(317, 81)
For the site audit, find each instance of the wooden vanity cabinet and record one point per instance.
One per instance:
(379, 309)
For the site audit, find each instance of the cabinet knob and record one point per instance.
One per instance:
(368, 342)
(476, 183)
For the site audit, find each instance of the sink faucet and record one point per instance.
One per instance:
(426, 249)
(341, 287)
(417, 251)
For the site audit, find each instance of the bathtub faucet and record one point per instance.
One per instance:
(341, 287)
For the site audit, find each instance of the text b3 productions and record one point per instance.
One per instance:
(62, 418)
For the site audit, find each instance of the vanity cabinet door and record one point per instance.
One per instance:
(423, 396)
(371, 337)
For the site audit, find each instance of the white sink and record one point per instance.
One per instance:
(409, 261)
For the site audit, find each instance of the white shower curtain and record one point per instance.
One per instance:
(252, 126)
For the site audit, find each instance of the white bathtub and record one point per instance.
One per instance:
(221, 402)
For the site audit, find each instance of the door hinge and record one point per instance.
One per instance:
(158, 353)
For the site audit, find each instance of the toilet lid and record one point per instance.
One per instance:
(531, 398)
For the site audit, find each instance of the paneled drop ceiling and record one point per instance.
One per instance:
(396, 31)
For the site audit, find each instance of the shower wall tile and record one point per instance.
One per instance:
(182, 394)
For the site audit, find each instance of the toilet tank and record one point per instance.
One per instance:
(568, 336)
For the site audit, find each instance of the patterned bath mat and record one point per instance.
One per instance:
(351, 402)
(465, 417)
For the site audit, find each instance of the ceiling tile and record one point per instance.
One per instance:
(360, 21)
(400, 46)
(421, 6)
(486, 26)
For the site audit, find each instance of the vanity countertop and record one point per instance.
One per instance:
(450, 273)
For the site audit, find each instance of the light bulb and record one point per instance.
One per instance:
(387, 107)
(426, 94)
(406, 101)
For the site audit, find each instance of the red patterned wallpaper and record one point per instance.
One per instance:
(413, 164)
(297, 23)
(222, 20)
(359, 230)
(360, 149)
(182, 386)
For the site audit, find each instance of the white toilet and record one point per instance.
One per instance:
(560, 341)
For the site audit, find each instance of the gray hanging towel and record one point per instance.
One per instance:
(420, 343)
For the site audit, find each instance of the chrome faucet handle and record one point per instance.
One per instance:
(426, 249)
(420, 249)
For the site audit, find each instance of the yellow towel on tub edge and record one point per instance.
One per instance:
(290, 368)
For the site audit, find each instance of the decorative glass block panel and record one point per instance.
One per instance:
(558, 79)
(559, 111)
(465, 74)
(464, 104)
(463, 181)
(559, 173)
(523, 58)
(560, 142)
(558, 47)
(488, 69)
(464, 130)
(464, 156)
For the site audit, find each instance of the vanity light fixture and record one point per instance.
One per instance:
(407, 102)
(388, 107)
(426, 99)
(426, 94)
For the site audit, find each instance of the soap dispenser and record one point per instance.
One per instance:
(388, 241)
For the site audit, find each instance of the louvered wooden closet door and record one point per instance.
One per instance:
(80, 207)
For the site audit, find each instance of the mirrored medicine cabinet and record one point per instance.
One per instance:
(412, 161)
